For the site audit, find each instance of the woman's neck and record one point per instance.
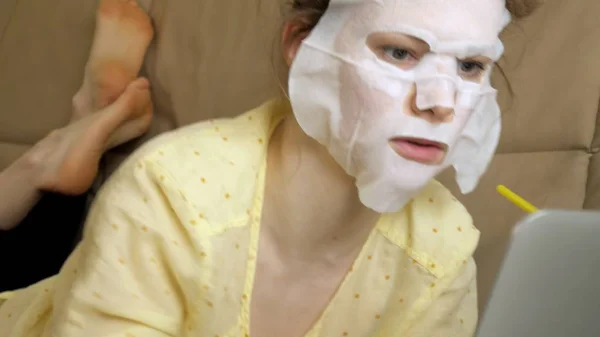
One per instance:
(312, 209)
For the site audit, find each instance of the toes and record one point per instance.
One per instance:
(123, 10)
(135, 109)
(134, 101)
(141, 83)
(109, 7)
(132, 3)
(141, 96)
(128, 131)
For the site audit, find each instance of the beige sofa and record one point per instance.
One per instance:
(213, 58)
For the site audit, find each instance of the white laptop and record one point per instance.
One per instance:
(549, 283)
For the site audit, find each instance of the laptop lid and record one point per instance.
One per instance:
(549, 283)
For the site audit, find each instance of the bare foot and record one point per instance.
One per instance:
(68, 158)
(123, 33)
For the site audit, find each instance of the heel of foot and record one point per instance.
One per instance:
(81, 104)
(110, 78)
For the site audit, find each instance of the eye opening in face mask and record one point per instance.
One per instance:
(397, 54)
(472, 69)
(401, 50)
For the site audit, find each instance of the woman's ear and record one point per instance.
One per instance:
(291, 38)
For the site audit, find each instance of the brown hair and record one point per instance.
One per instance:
(309, 12)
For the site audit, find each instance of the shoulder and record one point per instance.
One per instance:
(216, 141)
(436, 230)
(207, 172)
(211, 136)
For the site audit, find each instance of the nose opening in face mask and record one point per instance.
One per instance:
(439, 91)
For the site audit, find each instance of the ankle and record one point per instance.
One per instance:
(80, 104)
(32, 167)
(18, 191)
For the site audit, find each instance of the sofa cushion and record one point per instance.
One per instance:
(44, 45)
(593, 188)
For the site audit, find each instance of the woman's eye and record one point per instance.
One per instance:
(471, 67)
(396, 54)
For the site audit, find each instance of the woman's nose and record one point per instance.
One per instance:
(443, 114)
(437, 114)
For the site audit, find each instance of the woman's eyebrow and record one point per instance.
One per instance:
(404, 38)
(478, 58)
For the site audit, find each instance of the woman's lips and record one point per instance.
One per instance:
(419, 150)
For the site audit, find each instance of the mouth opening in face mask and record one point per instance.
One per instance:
(419, 150)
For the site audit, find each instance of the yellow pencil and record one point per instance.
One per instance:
(516, 199)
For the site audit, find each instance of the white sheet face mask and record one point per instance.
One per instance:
(355, 103)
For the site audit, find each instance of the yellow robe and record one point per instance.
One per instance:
(171, 241)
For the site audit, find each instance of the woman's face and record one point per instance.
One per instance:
(452, 21)
(405, 52)
(391, 86)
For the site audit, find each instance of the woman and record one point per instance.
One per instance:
(315, 218)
